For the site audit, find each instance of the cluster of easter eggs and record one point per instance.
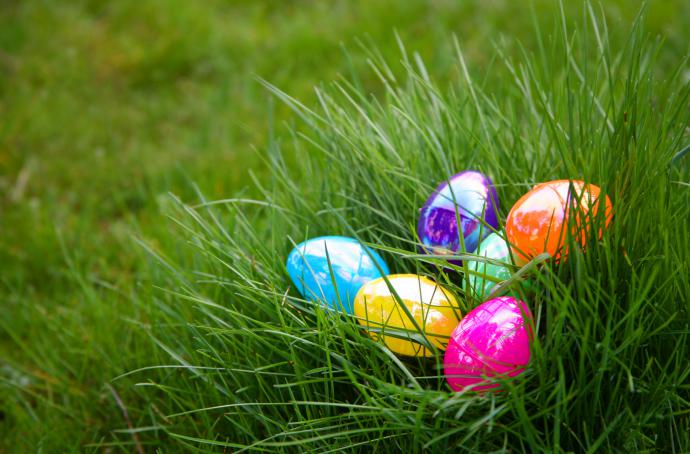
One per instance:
(415, 316)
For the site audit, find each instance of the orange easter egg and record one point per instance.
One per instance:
(538, 222)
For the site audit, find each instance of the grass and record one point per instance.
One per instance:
(231, 356)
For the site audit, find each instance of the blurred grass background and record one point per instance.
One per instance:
(105, 107)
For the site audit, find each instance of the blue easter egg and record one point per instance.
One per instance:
(353, 265)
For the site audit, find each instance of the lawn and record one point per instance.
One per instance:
(137, 314)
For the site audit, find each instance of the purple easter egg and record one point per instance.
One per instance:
(492, 340)
(469, 196)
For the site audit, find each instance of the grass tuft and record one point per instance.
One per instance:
(191, 338)
(254, 366)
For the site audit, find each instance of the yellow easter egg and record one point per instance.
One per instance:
(433, 308)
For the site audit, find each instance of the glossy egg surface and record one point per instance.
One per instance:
(469, 197)
(538, 221)
(434, 309)
(484, 276)
(493, 339)
(352, 265)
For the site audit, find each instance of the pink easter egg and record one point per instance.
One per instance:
(492, 340)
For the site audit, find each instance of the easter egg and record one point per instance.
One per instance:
(492, 340)
(484, 276)
(434, 309)
(352, 266)
(538, 222)
(468, 197)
